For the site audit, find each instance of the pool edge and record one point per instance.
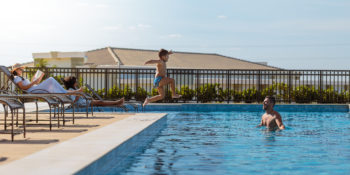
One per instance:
(74, 155)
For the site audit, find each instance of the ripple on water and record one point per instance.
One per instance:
(228, 142)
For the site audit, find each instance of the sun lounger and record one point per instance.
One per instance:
(14, 106)
(25, 98)
(62, 97)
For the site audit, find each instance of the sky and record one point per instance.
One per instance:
(289, 34)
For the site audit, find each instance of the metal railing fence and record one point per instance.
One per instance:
(196, 85)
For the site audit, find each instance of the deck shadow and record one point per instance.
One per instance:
(48, 141)
(57, 131)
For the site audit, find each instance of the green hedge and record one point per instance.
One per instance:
(215, 93)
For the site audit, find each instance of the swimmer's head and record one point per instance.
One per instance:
(163, 55)
(269, 102)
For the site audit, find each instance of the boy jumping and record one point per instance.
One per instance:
(160, 79)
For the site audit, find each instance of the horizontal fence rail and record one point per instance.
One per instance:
(195, 85)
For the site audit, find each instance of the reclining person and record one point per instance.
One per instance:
(71, 84)
(49, 85)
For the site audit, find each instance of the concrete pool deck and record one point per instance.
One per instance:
(70, 148)
(39, 136)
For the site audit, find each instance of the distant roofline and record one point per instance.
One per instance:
(250, 62)
(150, 50)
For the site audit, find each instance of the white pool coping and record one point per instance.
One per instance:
(73, 155)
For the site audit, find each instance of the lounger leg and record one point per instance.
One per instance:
(58, 115)
(6, 114)
(16, 117)
(63, 111)
(92, 109)
(24, 122)
(50, 117)
(73, 111)
(87, 110)
(37, 111)
(12, 134)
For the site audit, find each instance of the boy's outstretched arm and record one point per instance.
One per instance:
(152, 62)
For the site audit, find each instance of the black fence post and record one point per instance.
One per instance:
(320, 87)
(106, 83)
(228, 85)
(259, 83)
(348, 88)
(136, 81)
(290, 86)
(197, 84)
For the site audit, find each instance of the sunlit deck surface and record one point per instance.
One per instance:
(39, 135)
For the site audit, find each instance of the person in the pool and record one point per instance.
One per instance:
(271, 119)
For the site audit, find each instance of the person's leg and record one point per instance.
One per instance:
(171, 81)
(50, 85)
(108, 103)
(157, 97)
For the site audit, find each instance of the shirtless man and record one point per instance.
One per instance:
(160, 79)
(271, 119)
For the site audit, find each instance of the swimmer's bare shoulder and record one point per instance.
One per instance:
(279, 120)
(261, 121)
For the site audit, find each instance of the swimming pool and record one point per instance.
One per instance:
(229, 143)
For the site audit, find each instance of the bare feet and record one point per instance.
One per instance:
(80, 90)
(122, 101)
(146, 102)
(176, 96)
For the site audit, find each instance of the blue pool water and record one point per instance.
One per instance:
(229, 143)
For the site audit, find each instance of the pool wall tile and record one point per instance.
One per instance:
(117, 159)
(101, 151)
(247, 107)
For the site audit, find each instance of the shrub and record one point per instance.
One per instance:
(278, 90)
(237, 96)
(331, 96)
(250, 95)
(207, 93)
(187, 93)
(141, 94)
(101, 93)
(127, 93)
(115, 93)
(224, 95)
(304, 94)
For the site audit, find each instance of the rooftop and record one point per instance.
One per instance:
(126, 57)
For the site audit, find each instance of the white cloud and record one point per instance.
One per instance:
(132, 28)
(111, 28)
(91, 5)
(101, 5)
(222, 17)
(144, 26)
(314, 25)
(84, 4)
(175, 35)
(139, 27)
(235, 48)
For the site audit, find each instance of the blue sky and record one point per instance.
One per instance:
(291, 34)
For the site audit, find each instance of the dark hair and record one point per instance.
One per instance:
(69, 82)
(272, 99)
(162, 52)
(14, 73)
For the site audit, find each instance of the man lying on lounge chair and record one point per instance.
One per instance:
(71, 84)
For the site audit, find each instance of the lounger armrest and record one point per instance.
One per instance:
(40, 91)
